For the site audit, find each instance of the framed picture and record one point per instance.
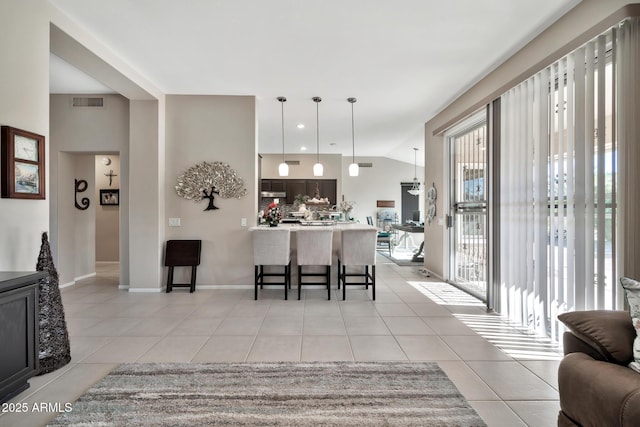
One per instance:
(23, 174)
(109, 197)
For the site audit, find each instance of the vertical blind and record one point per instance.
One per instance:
(558, 183)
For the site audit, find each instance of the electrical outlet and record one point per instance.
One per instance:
(174, 222)
(243, 222)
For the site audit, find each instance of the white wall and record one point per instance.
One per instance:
(380, 182)
(24, 104)
(83, 131)
(213, 128)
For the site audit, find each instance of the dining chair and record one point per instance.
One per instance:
(358, 248)
(314, 247)
(271, 247)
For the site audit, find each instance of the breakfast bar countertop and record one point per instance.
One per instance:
(333, 225)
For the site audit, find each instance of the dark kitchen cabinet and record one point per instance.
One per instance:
(295, 187)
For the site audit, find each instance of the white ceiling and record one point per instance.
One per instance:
(403, 60)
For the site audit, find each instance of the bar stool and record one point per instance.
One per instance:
(358, 248)
(314, 247)
(272, 247)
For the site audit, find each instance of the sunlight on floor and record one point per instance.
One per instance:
(445, 294)
(517, 342)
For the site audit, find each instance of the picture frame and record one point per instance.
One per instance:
(109, 197)
(23, 164)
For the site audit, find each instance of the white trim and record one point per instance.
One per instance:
(86, 276)
(67, 285)
(144, 290)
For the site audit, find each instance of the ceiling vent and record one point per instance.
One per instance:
(365, 165)
(292, 162)
(83, 101)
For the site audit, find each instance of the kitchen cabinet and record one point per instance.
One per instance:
(305, 187)
(273, 185)
(295, 187)
(323, 188)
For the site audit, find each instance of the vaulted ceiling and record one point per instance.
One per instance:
(403, 60)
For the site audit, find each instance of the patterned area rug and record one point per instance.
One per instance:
(273, 394)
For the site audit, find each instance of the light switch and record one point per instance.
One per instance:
(243, 222)
(174, 222)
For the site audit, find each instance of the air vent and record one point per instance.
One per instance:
(365, 165)
(87, 102)
(292, 162)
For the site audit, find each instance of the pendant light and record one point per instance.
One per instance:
(354, 169)
(283, 168)
(415, 188)
(318, 170)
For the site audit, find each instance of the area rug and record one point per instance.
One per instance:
(273, 394)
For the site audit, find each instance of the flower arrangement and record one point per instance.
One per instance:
(272, 215)
(346, 207)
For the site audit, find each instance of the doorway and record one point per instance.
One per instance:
(107, 213)
(410, 204)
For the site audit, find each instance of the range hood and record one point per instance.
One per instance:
(271, 194)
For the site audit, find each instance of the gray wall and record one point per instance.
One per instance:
(213, 128)
(83, 131)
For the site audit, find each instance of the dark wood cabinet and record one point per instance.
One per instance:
(278, 185)
(295, 187)
(18, 331)
(305, 187)
(322, 188)
(274, 185)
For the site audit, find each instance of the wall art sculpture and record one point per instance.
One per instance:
(205, 179)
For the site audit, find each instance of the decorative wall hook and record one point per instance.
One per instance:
(81, 187)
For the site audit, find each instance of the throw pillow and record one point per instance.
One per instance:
(632, 289)
(608, 332)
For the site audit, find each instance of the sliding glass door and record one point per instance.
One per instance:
(468, 231)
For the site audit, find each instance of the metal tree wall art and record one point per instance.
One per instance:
(205, 179)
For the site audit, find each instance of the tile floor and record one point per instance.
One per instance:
(507, 376)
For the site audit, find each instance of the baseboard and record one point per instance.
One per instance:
(67, 285)
(86, 276)
(143, 290)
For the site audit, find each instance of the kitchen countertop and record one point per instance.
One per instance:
(333, 225)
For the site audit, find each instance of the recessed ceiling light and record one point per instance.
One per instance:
(300, 125)
(303, 148)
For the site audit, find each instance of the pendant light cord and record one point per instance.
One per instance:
(353, 138)
(317, 132)
(282, 105)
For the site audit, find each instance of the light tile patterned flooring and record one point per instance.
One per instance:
(507, 376)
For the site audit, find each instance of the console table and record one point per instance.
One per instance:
(19, 331)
